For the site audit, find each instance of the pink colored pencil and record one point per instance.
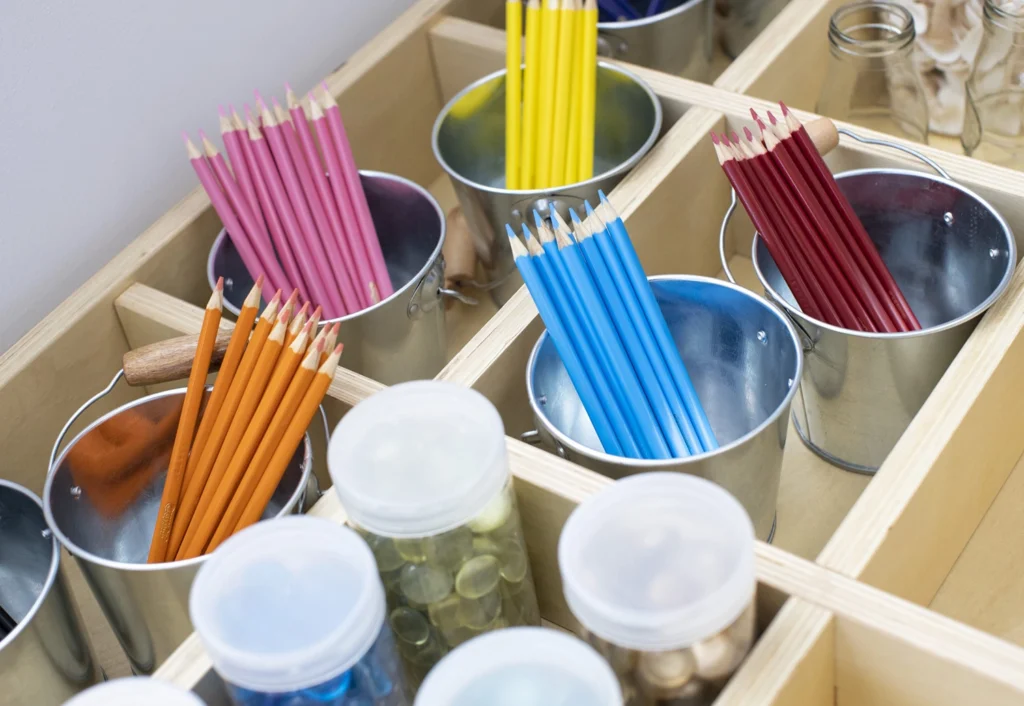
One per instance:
(324, 293)
(346, 210)
(349, 300)
(355, 190)
(227, 215)
(323, 189)
(233, 144)
(266, 202)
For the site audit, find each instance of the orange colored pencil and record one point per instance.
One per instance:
(186, 426)
(329, 342)
(285, 448)
(296, 324)
(228, 367)
(195, 538)
(190, 500)
(256, 425)
(268, 445)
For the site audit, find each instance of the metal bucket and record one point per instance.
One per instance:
(952, 255)
(469, 143)
(744, 358)
(403, 337)
(743, 20)
(679, 40)
(146, 604)
(46, 658)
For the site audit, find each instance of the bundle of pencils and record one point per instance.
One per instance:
(608, 329)
(295, 212)
(821, 248)
(222, 475)
(626, 10)
(550, 108)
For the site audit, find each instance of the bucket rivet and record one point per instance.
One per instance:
(47, 533)
(543, 400)
(229, 283)
(993, 253)
(76, 492)
(762, 337)
(948, 218)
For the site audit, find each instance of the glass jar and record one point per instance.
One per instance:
(871, 80)
(132, 691)
(659, 570)
(522, 667)
(994, 122)
(292, 613)
(422, 470)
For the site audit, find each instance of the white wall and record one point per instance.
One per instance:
(94, 98)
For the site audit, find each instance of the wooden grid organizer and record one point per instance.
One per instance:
(905, 588)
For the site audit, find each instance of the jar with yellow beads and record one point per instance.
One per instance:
(422, 470)
(659, 570)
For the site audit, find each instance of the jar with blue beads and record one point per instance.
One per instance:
(292, 613)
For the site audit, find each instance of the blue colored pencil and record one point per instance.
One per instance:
(563, 344)
(655, 7)
(619, 9)
(666, 344)
(628, 385)
(617, 295)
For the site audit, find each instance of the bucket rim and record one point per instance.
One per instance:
(89, 557)
(977, 311)
(622, 167)
(386, 176)
(652, 464)
(51, 575)
(644, 21)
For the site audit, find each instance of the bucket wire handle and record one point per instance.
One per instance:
(721, 238)
(901, 148)
(313, 485)
(81, 410)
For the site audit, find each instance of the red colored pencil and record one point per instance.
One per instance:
(856, 228)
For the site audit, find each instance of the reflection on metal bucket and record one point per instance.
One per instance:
(103, 510)
(743, 20)
(46, 658)
(403, 337)
(469, 143)
(678, 40)
(745, 359)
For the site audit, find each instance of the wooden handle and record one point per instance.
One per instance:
(823, 134)
(168, 360)
(459, 250)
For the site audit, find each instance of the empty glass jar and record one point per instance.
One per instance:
(994, 121)
(871, 80)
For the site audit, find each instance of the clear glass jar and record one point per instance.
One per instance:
(292, 613)
(994, 121)
(659, 570)
(871, 80)
(422, 470)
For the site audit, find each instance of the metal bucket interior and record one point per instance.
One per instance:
(745, 360)
(678, 40)
(469, 143)
(410, 227)
(45, 658)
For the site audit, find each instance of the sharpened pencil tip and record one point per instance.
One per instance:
(748, 134)
(538, 220)
(714, 137)
(220, 284)
(600, 194)
(785, 110)
(526, 232)
(771, 118)
(754, 115)
(574, 216)
(590, 209)
(734, 137)
(511, 233)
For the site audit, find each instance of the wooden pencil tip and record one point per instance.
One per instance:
(748, 134)
(734, 137)
(714, 137)
(336, 328)
(220, 284)
(753, 114)
(785, 110)
(771, 118)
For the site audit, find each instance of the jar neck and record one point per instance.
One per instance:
(871, 30)
(1005, 14)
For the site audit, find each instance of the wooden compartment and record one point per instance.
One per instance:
(855, 557)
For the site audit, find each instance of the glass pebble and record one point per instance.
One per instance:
(449, 549)
(411, 550)
(409, 626)
(478, 613)
(513, 561)
(385, 552)
(478, 576)
(425, 583)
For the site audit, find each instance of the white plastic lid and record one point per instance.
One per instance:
(288, 604)
(658, 561)
(133, 691)
(418, 459)
(521, 667)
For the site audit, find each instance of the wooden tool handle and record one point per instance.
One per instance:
(823, 134)
(168, 360)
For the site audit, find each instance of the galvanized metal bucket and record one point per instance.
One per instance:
(469, 143)
(403, 337)
(108, 529)
(745, 360)
(743, 20)
(952, 255)
(46, 658)
(678, 40)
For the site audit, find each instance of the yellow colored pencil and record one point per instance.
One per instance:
(563, 87)
(572, 158)
(513, 91)
(531, 89)
(548, 66)
(589, 92)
